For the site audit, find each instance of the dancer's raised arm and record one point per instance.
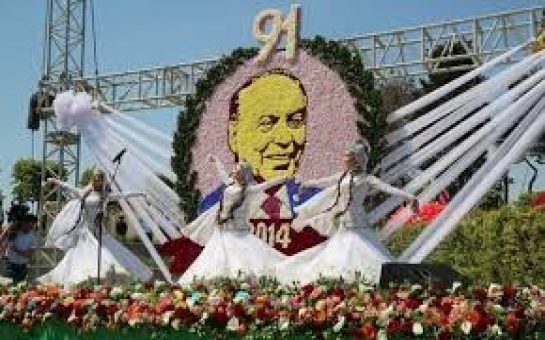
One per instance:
(69, 188)
(119, 196)
(324, 182)
(222, 174)
(387, 188)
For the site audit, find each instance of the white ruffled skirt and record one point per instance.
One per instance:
(350, 253)
(232, 253)
(80, 262)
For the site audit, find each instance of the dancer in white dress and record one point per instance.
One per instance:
(72, 231)
(231, 250)
(353, 250)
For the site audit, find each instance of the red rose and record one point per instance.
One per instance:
(444, 320)
(260, 313)
(512, 323)
(112, 309)
(509, 295)
(406, 326)
(446, 308)
(220, 316)
(444, 335)
(519, 312)
(368, 331)
(239, 310)
(486, 321)
(338, 291)
(164, 304)
(307, 289)
(480, 294)
(474, 318)
(412, 304)
(183, 314)
(394, 327)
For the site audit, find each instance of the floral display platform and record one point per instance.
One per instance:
(265, 310)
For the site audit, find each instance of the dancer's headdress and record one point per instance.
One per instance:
(98, 172)
(361, 149)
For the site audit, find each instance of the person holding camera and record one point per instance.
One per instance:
(20, 242)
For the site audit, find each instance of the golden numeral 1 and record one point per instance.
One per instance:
(272, 233)
(261, 231)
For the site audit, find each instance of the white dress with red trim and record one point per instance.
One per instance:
(353, 251)
(231, 249)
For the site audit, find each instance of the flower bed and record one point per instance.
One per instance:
(232, 309)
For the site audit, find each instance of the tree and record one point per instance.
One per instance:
(446, 72)
(85, 176)
(166, 180)
(27, 178)
(397, 93)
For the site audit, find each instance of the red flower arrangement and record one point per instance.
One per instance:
(246, 308)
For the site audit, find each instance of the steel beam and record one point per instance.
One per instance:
(403, 53)
(408, 52)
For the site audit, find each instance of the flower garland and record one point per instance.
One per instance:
(239, 308)
(345, 61)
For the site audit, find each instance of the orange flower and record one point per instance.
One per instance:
(473, 317)
(368, 331)
(320, 316)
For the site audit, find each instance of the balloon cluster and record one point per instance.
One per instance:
(72, 109)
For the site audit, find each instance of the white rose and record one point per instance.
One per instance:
(496, 330)
(233, 324)
(339, 325)
(417, 328)
(283, 324)
(166, 317)
(116, 291)
(456, 285)
(466, 327)
(381, 335)
(176, 324)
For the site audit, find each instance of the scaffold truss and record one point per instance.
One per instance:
(400, 53)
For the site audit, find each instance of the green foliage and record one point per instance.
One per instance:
(525, 199)
(85, 177)
(27, 178)
(166, 180)
(340, 58)
(503, 246)
(56, 329)
(494, 198)
(438, 79)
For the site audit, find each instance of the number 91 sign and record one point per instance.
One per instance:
(279, 27)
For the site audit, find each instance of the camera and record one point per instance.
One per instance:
(17, 211)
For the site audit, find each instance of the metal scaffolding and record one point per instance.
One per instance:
(63, 62)
(400, 53)
(408, 52)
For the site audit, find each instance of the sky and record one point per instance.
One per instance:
(134, 34)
